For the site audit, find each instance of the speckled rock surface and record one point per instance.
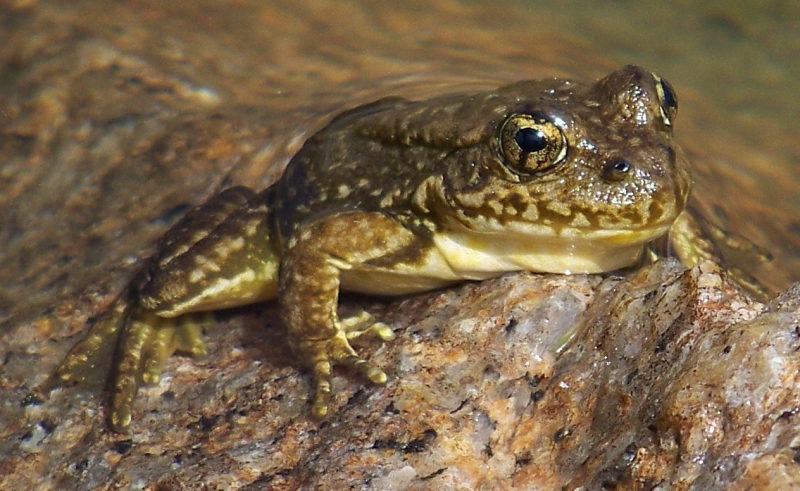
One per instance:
(114, 120)
(671, 380)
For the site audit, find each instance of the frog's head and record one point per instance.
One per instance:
(575, 178)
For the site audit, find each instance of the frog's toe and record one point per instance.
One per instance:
(85, 361)
(378, 330)
(322, 389)
(373, 373)
(182, 334)
(160, 346)
(139, 334)
(147, 343)
(322, 379)
(364, 324)
(190, 334)
(336, 351)
(342, 353)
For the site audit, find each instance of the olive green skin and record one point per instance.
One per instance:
(400, 196)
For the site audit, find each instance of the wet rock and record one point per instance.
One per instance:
(669, 377)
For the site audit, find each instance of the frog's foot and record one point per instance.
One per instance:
(146, 343)
(321, 355)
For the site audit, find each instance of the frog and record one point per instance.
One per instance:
(398, 197)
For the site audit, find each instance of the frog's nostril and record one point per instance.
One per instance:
(616, 169)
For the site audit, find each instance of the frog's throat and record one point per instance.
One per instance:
(466, 255)
(474, 255)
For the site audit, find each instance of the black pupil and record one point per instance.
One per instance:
(531, 140)
(669, 96)
(622, 166)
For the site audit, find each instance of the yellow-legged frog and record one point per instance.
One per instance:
(397, 197)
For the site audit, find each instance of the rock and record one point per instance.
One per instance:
(669, 377)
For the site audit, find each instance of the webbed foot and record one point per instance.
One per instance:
(142, 341)
(88, 361)
(144, 348)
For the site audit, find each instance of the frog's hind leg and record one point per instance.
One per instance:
(140, 340)
(199, 222)
(85, 359)
(146, 343)
(230, 265)
(218, 256)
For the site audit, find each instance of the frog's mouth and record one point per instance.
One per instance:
(475, 255)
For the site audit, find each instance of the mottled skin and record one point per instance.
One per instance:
(405, 196)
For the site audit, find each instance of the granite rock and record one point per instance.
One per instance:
(669, 379)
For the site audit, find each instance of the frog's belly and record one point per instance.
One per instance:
(456, 257)
(391, 283)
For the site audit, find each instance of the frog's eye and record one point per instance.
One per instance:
(532, 144)
(668, 100)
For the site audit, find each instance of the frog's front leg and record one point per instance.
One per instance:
(310, 279)
(694, 239)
